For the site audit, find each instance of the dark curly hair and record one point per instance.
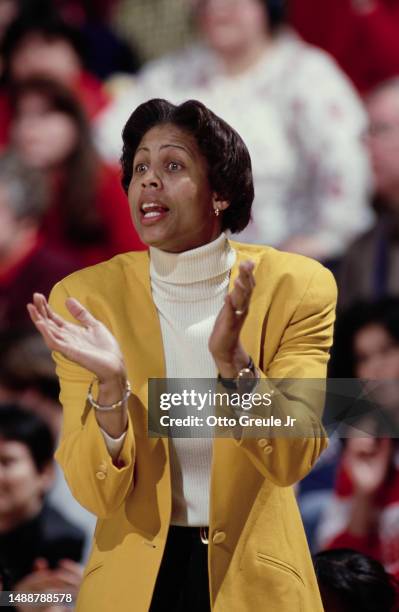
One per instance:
(229, 163)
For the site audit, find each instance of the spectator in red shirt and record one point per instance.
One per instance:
(88, 218)
(25, 263)
(362, 35)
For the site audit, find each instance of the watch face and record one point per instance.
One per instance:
(245, 373)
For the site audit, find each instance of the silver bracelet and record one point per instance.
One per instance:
(98, 406)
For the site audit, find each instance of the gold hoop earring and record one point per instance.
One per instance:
(217, 212)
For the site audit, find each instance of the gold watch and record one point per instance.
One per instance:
(245, 379)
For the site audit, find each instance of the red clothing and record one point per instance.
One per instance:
(381, 544)
(91, 94)
(365, 45)
(38, 270)
(5, 119)
(113, 210)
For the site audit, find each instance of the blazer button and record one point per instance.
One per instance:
(100, 475)
(268, 449)
(263, 442)
(219, 537)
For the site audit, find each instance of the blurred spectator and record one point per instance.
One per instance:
(366, 345)
(351, 581)
(366, 341)
(8, 12)
(27, 377)
(362, 35)
(105, 52)
(158, 27)
(364, 512)
(48, 47)
(89, 217)
(370, 268)
(26, 264)
(35, 540)
(310, 169)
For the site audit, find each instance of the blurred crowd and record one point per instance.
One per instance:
(313, 88)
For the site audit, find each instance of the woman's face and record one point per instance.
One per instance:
(172, 204)
(43, 137)
(230, 26)
(21, 485)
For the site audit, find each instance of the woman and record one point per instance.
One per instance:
(88, 218)
(25, 263)
(183, 310)
(310, 167)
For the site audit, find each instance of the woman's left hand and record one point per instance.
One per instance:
(224, 342)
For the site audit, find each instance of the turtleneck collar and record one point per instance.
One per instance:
(201, 264)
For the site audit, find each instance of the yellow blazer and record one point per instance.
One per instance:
(258, 557)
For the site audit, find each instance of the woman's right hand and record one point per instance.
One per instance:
(90, 344)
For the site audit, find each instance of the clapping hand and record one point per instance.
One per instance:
(224, 342)
(89, 344)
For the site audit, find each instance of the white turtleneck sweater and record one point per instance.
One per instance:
(188, 290)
